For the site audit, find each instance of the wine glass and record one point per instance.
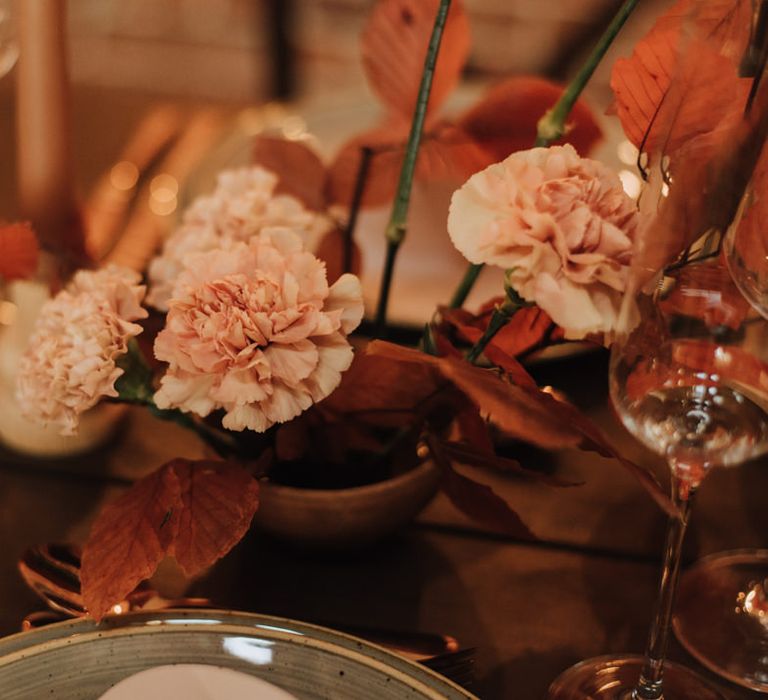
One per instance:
(688, 379)
(722, 618)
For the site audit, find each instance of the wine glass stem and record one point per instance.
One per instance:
(649, 686)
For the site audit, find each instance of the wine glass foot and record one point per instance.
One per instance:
(721, 617)
(615, 677)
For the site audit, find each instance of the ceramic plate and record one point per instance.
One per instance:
(82, 660)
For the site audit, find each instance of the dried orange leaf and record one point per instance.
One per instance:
(218, 501)
(680, 81)
(128, 540)
(394, 47)
(475, 500)
(446, 154)
(505, 120)
(194, 510)
(331, 251)
(301, 172)
(18, 251)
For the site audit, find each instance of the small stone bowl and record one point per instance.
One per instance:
(345, 518)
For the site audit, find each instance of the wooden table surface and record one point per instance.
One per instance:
(585, 589)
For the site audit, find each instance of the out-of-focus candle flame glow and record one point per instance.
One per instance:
(124, 175)
(163, 191)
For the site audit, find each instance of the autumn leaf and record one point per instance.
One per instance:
(218, 501)
(506, 119)
(128, 540)
(195, 511)
(681, 80)
(394, 47)
(19, 251)
(476, 500)
(528, 414)
(383, 389)
(330, 250)
(300, 171)
(466, 454)
(516, 410)
(446, 154)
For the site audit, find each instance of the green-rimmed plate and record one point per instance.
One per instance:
(82, 659)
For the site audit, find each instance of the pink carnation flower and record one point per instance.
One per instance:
(242, 205)
(562, 227)
(255, 330)
(71, 360)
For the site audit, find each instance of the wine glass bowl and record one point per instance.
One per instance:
(688, 377)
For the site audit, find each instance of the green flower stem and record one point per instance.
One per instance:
(499, 319)
(465, 286)
(396, 228)
(553, 124)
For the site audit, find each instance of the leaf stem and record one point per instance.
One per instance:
(552, 125)
(396, 228)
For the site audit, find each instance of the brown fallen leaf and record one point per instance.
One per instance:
(193, 510)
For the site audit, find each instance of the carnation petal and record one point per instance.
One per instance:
(346, 294)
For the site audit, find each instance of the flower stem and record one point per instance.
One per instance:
(499, 319)
(552, 125)
(366, 154)
(465, 286)
(396, 228)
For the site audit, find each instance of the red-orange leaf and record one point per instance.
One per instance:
(301, 172)
(331, 251)
(446, 154)
(505, 120)
(475, 500)
(218, 500)
(527, 414)
(680, 81)
(128, 540)
(194, 510)
(18, 251)
(394, 47)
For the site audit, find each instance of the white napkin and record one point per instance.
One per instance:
(194, 682)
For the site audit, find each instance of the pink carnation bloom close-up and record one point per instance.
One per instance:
(243, 203)
(561, 225)
(80, 334)
(255, 330)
